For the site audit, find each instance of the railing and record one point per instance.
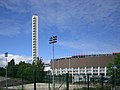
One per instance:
(62, 82)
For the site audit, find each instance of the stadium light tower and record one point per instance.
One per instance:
(53, 40)
(6, 55)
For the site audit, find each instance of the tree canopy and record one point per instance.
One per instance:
(2, 71)
(115, 66)
(24, 70)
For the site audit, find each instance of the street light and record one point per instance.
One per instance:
(53, 40)
(6, 55)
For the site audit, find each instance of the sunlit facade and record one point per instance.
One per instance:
(34, 37)
(95, 64)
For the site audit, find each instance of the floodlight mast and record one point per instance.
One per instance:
(53, 40)
(6, 55)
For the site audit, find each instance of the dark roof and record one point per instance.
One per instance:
(87, 61)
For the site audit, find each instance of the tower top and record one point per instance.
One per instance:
(34, 15)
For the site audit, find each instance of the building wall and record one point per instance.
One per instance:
(83, 64)
(34, 37)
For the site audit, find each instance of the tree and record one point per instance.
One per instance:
(40, 64)
(27, 73)
(26, 70)
(39, 70)
(2, 71)
(115, 66)
(117, 63)
(11, 63)
(21, 67)
(11, 68)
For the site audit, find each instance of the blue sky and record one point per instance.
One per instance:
(82, 26)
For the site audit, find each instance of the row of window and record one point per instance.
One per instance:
(34, 41)
(34, 38)
(83, 70)
(34, 49)
(84, 56)
(93, 55)
(34, 34)
(34, 20)
(34, 26)
(34, 52)
(34, 46)
(34, 57)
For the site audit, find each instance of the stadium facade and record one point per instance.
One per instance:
(95, 64)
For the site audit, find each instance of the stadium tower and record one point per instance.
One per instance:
(35, 38)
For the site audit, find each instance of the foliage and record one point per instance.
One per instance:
(21, 67)
(11, 68)
(116, 63)
(2, 71)
(24, 70)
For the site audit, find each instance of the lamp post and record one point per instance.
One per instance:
(53, 40)
(6, 55)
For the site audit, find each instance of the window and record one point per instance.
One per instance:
(34, 29)
(34, 25)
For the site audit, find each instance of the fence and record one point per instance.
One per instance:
(36, 81)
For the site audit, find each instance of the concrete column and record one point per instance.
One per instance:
(56, 71)
(69, 70)
(66, 70)
(85, 70)
(72, 76)
(78, 70)
(60, 71)
(91, 70)
(105, 71)
(52, 71)
(98, 71)
(72, 71)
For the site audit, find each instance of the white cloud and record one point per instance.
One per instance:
(17, 59)
(66, 15)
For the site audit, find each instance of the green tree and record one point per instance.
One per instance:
(40, 74)
(39, 69)
(26, 70)
(21, 67)
(116, 64)
(27, 73)
(2, 71)
(11, 68)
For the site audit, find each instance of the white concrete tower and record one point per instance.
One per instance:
(34, 38)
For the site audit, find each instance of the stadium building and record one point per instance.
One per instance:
(95, 64)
